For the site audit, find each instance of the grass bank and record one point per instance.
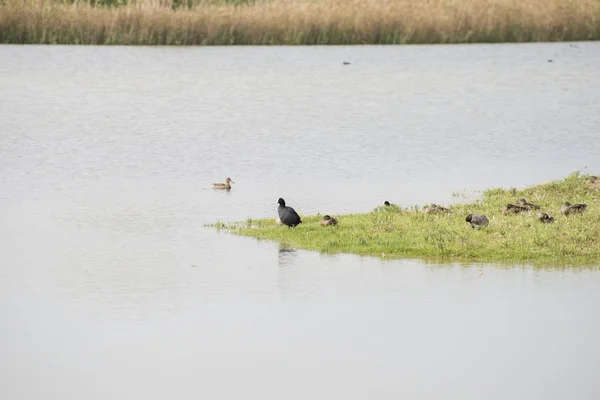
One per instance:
(296, 22)
(396, 232)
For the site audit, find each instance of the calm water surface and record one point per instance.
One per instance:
(112, 288)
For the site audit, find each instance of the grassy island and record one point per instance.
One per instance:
(296, 22)
(396, 232)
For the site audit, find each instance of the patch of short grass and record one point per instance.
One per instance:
(395, 232)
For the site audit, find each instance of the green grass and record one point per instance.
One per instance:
(411, 233)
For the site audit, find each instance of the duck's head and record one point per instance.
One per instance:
(228, 180)
(469, 218)
(386, 203)
(281, 202)
(521, 202)
(327, 218)
(566, 204)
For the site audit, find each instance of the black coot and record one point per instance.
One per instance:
(288, 215)
(477, 220)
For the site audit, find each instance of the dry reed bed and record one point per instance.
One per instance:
(302, 22)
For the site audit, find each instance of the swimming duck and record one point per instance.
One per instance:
(288, 215)
(523, 203)
(477, 220)
(327, 220)
(435, 209)
(223, 186)
(511, 208)
(545, 218)
(568, 208)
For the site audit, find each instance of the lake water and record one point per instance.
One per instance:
(111, 287)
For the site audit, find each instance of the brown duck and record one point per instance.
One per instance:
(568, 208)
(525, 204)
(545, 218)
(327, 221)
(435, 209)
(514, 209)
(223, 186)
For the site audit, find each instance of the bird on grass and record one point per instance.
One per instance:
(545, 218)
(435, 209)
(287, 215)
(568, 208)
(525, 204)
(327, 221)
(390, 206)
(514, 209)
(477, 220)
(223, 186)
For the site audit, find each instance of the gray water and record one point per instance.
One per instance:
(111, 287)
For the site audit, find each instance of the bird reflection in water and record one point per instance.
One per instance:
(286, 255)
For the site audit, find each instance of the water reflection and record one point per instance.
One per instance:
(286, 255)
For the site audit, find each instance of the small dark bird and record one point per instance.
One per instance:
(549, 60)
(524, 203)
(435, 209)
(477, 220)
(387, 206)
(511, 208)
(346, 63)
(545, 218)
(287, 215)
(568, 208)
(327, 220)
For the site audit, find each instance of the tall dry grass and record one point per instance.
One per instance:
(148, 22)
